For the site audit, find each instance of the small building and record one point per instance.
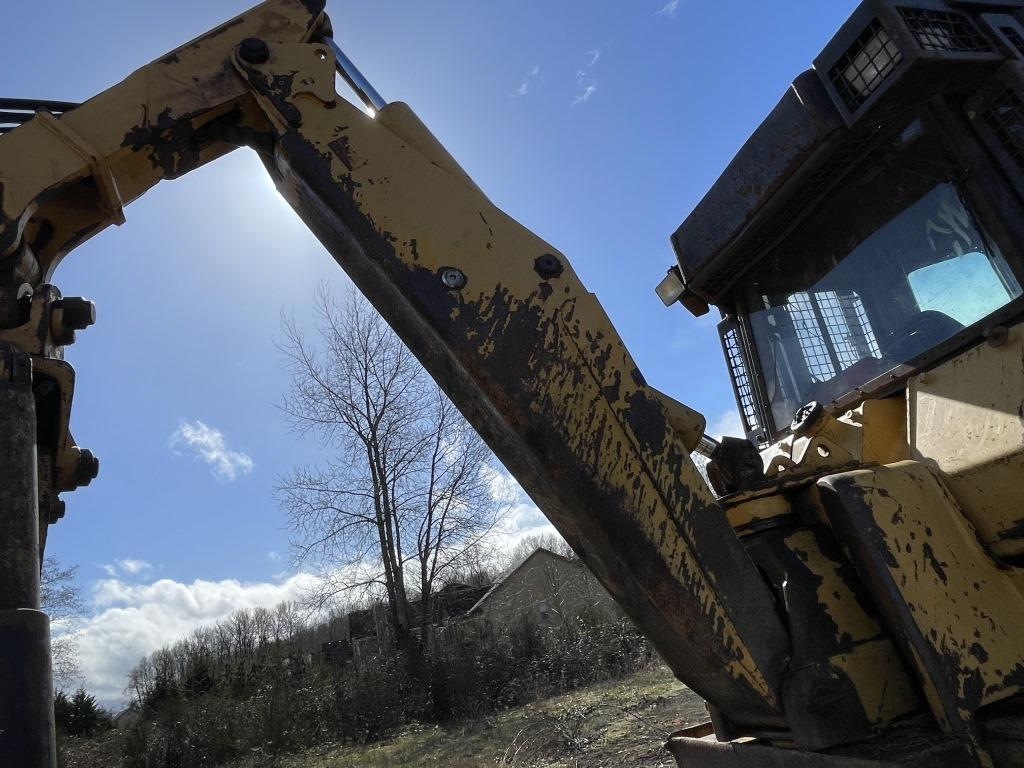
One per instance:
(544, 587)
(126, 718)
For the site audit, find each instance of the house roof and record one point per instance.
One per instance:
(458, 598)
(129, 710)
(507, 575)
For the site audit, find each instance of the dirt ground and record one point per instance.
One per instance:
(622, 724)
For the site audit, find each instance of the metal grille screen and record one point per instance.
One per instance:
(944, 31)
(833, 331)
(741, 378)
(865, 66)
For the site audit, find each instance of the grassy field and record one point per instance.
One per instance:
(622, 724)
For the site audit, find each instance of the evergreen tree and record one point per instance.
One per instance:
(79, 715)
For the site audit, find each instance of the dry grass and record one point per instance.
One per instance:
(622, 724)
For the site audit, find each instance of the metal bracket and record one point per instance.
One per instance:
(106, 183)
(290, 70)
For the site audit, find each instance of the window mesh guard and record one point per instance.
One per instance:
(833, 331)
(740, 377)
(865, 66)
(944, 31)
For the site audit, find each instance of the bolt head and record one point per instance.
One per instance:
(69, 315)
(88, 468)
(806, 417)
(57, 511)
(548, 265)
(453, 279)
(254, 50)
(79, 313)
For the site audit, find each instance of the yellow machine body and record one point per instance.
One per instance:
(857, 603)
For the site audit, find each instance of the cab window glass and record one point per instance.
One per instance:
(881, 275)
(979, 287)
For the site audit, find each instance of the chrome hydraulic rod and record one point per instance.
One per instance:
(355, 79)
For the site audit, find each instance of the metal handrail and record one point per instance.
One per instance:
(15, 112)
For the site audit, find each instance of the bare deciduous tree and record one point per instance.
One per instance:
(407, 495)
(550, 541)
(61, 599)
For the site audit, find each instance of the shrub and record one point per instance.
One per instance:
(205, 704)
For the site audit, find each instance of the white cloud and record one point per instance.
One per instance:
(524, 518)
(524, 521)
(524, 88)
(210, 445)
(669, 9)
(728, 424)
(274, 556)
(584, 95)
(586, 85)
(133, 566)
(127, 567)
(133, 621)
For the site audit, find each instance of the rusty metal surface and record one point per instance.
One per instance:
(19, 499)
(909, 747)
(699, 753)
(26, 690)
(845, 676)
(953, 609)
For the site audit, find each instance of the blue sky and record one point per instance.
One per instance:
(599, 125)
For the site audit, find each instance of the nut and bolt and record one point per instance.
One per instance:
(87, 470)
(69, 315)
(806, 417)
(254, 50)
(453, 278)
(57, 511)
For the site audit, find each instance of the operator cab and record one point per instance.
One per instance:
(871, 227)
